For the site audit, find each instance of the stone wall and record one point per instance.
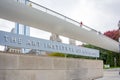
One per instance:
(31, 67)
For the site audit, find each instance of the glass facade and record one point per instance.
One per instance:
(22, 29)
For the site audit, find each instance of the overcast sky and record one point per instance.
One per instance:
(102, 15)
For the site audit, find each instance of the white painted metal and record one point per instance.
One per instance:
(13, 11)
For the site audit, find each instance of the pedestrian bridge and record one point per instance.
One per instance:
(51, 21)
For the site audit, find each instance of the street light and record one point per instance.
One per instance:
(119, 34)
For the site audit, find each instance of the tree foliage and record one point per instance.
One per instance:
(57, 54)
(107, 56)
(114, 34)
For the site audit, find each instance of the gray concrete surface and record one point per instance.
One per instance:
(111, 74)
(32, 67)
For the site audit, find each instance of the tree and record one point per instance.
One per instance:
(114, 34)
(106, 55)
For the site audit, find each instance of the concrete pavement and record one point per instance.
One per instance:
(111, 74)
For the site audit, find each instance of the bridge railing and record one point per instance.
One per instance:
(47, 10)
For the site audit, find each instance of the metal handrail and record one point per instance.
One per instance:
(63, 16)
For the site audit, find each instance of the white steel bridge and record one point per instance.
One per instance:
(51, 21)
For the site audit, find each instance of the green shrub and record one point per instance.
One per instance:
(57, 54)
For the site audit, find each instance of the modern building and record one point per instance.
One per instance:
(22, 29)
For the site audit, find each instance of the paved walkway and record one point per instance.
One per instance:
(111, 74)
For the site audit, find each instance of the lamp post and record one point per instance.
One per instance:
(119, 34)
(119, 37)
